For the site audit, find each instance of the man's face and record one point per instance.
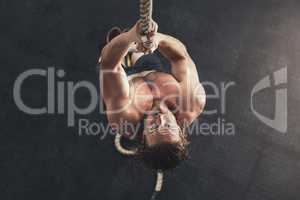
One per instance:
(161, 126)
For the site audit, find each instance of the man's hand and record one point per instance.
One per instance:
(145, 43)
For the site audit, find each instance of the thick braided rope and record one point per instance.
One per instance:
(146, 7)
(121, 149)
(160, 175)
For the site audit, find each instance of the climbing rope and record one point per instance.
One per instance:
(123, 151)
(159, 183)
(146, 7)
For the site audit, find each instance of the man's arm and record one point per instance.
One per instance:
(113, 53)
(114, 84)
(176, 53)
(185, 71)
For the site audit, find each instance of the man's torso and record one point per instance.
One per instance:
(147, 89)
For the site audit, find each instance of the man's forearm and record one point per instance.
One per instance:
(115, 50)
(171, 47)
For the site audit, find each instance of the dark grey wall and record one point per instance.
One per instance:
(239, 41)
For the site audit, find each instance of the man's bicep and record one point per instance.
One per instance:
(114, 83)
(184, 70)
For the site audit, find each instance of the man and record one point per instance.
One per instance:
(159, 104)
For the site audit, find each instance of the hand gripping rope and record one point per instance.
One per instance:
(146, 7)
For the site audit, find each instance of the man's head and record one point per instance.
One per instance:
(164, 140)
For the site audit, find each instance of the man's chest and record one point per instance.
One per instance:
(155, 86)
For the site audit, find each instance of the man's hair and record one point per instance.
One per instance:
(164, 156)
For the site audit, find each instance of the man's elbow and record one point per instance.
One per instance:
(103, 61)
(106, 63)
(174, 53)
(200, 97)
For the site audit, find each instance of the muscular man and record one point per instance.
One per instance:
(155, 104)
